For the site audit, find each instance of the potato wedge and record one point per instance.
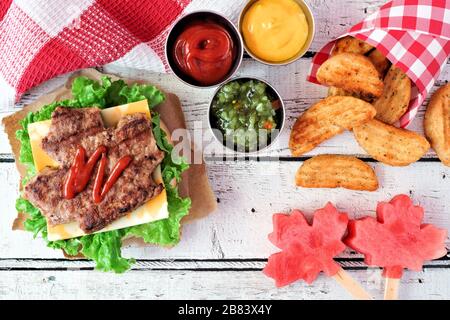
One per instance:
(307, 136)
(390, 145)
(351, 72)
(350, 44)
(396, 95)
(334, 91)
(326, 119)
(380, 62)
(437, 123)
(336, 171)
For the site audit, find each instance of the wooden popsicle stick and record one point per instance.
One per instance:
(351, 285)
(391, 289)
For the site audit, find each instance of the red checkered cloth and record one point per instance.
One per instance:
(413, 34)
(40, 39)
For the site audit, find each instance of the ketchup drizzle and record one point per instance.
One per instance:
(80, 173)
(98, 182)
(85, 174)
(115, 174)
(69, 185)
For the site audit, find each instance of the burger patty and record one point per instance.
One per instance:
(134, 187)
(68, 127)
(133, 136)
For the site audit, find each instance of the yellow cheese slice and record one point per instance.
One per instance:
(111, 116)
(37, 131)
(155, 209)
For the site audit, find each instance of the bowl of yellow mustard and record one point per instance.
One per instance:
(276, 32)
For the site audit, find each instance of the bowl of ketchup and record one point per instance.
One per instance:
(204, 49)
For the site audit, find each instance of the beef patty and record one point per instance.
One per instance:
(71, 128)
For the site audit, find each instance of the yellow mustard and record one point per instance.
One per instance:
(275, 30)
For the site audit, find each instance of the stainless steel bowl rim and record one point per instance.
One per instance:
(289, 61)
(239, 55)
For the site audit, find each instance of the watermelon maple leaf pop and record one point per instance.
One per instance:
(308, 249)
(396, 240)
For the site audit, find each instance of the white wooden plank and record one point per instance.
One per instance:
(290, 81)
(182, 264)
(298, 95)
(335, 17)
(249, 193)
(203, 285)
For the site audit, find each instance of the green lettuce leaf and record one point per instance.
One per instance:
(89, 92)
(105, 248)
(160, 135)
(107, 93)
(138, 92)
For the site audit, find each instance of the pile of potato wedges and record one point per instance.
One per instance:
(367, 95)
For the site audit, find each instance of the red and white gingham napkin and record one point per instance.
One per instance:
(40, 39)
(412, 34)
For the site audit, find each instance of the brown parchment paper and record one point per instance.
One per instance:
(194, 183)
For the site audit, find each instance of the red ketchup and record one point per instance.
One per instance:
(205, 51)
(81, 172)
(99, 192)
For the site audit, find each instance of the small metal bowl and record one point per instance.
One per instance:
(190, 18)
(279, 116)
(311, 23)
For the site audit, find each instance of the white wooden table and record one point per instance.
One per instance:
(222, 256)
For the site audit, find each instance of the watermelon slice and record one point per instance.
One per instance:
(306, 249)
(396, 239)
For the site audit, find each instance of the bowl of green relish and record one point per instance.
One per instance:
(246, 114)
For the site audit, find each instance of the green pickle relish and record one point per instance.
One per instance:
(245, 112)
